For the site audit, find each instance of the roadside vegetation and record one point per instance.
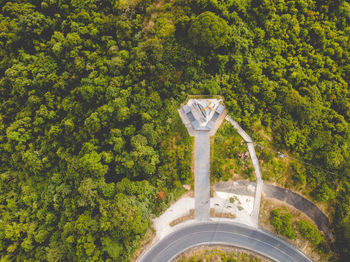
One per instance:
(295, 227)
(285, 224)
(89, 130)
(218, 254)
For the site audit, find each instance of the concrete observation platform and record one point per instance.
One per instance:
(202, 118)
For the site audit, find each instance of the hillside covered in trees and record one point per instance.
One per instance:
(89, 91)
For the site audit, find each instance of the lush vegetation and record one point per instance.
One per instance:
(89, 91)
(309, 231)
(89, 134)
(281, 220)
(284, 224)
(231, 158)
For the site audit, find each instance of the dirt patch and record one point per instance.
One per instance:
(182, 219)
(217, 252)
(221, 214)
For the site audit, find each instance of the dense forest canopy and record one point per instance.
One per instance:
(89, 91)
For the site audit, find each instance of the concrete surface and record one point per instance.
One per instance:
(220, 202)
(259, 183)
(202, 163)
(242, 202)
(179, 209)
(238, 187)
(202, 173)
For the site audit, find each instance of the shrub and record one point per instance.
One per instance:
(309, 231)
(281, 220)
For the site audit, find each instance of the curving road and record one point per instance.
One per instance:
(223, 233)
(303, 204)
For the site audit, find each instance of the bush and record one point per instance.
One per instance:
(281, 220)
(323, 193)
(309, 231)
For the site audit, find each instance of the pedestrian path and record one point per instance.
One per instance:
(201, 162)
(240, 130)
(202, 173)
(255, 161)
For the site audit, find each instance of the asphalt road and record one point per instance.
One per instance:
(223, 233)
(301, 203)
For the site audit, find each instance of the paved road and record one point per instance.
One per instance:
(301, 203)
(201, 171)
(223, 233)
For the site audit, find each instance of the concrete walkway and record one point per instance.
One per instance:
(220, 202)
(179, 209)
(202, 172)
(202, 164)
(258, 190)
(240, 131)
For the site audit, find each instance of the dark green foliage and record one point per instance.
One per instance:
(283, 223)
(81, 126)
(299, 177)
(324, 193)
(89, 92)
(281, 220)
(208, 31)
(343, 240)
(309, 231)
(343, 221)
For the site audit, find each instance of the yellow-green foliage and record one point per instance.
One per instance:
(230, 154)
(216, 255)
(89, 93)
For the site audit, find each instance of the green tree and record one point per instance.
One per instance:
(324, 193)
(343, 240)
(127, 216)
(208, 31)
